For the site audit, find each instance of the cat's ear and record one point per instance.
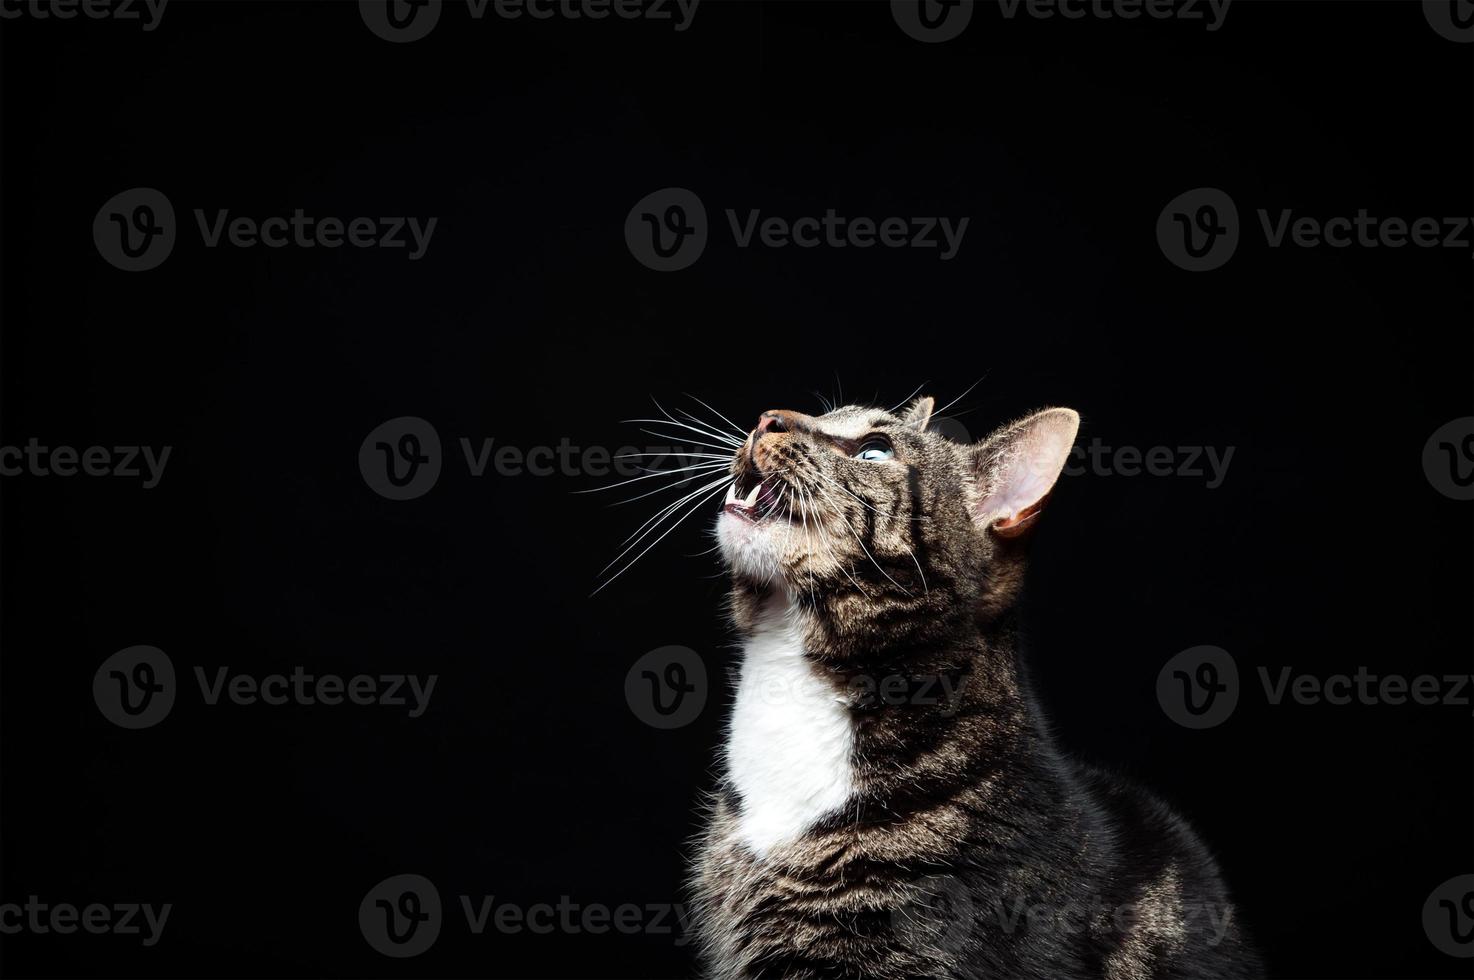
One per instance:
(1017, 466)
(918, 413)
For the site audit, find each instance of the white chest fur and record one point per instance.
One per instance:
(788, 751)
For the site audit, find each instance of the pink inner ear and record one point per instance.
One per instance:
(1027, 463)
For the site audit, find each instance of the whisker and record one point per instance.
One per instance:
(903, 401)
(730, 442)
(803, 515)
(694, 442)
(861, 542)
(706, 426)
(959, 398)
(675, 503)
(653, 474)
(825, 541)
(653, 522)
(955, 415)
(735, 427)
(661, 489)
(841, 487)
(711, 430)
(677, 523)
(909, 550)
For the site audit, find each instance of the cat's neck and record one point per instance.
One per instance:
(810, 737)
(790, 747)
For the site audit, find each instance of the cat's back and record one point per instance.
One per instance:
(1176, 915)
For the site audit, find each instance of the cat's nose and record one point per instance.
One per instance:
(776, 421)
(770, 422)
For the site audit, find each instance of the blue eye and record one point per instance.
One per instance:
(875, 452)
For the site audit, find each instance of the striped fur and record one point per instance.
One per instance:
(965, 843)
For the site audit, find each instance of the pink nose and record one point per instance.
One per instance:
(770, 422)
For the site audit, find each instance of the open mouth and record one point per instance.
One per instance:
(754, 497)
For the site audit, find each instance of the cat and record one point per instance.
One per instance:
(891, 802)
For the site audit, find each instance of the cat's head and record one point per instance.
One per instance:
(869, 509)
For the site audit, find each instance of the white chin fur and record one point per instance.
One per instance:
(753, 551)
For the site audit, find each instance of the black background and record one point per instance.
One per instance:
(528, 321)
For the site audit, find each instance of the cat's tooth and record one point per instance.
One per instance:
(731, 494)
(752, 495)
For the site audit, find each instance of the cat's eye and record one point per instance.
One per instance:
(875, 451)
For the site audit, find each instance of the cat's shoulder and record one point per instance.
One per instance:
(1147, 829)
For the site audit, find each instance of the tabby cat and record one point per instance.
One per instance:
(892, 803)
